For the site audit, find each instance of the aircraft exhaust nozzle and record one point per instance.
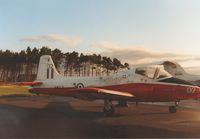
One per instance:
(47, 69)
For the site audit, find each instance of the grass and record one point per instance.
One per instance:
(10, 90)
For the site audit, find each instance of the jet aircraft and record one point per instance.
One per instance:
(141, 84)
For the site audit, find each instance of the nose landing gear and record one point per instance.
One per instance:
(173, 109)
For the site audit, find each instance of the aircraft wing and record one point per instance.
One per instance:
(98, 93)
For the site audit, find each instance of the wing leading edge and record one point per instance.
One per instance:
(98, 93)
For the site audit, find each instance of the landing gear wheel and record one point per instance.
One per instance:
(108, 107)
(172, 109)
(109, 112)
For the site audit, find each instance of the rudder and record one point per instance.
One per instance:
(47, 69)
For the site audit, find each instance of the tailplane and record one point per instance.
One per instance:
(47, 69)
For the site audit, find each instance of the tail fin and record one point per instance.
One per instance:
(47, 69)
(174, 68)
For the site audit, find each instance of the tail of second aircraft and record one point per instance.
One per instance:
(47, 69)
(174, 68)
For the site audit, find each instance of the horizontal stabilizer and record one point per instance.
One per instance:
(29, 83)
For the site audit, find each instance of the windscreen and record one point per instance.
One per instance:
(146, 71)
(162, 74)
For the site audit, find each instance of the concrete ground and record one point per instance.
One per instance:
(59, 117)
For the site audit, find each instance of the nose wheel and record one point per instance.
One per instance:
(108, 107)
(173, 109)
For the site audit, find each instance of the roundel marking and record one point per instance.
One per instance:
(79, 85)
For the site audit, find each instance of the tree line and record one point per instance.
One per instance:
(22, 66)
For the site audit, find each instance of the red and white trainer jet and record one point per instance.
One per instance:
(141, 84)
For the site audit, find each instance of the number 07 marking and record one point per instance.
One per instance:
(190, 90)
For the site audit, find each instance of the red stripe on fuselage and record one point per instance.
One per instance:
(147, 92)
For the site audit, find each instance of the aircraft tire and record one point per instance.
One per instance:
(172, 109)
(109, 112)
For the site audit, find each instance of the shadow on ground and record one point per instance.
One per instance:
(59, 119)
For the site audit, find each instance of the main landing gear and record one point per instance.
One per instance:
(173, 109)
(108, 107)
(122, 103)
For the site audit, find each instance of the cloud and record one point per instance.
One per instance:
(53, 38)
(139, 55)
(105, 45)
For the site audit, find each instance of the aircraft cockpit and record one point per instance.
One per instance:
(152, 72)
(157, 74)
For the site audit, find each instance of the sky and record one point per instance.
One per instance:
(135, 31)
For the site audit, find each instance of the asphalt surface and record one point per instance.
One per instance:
(59, 117)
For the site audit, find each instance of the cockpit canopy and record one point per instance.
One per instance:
(153, 72)
(158, 74)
